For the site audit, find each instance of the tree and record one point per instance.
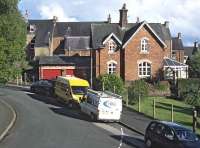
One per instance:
(110, 82)
(12, 40)
(194, 65)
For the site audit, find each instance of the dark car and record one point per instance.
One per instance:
(164, 134)
(43, 87)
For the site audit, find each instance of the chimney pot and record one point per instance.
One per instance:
(138, 20)
(123, 21)
(196, 44)
(179, 35)
(109, 19)
(166, 24)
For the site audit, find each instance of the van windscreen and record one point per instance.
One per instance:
(79, 90)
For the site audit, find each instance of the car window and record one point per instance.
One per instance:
(159, 129)
(152, 126)
(186, 135)
(168, 133)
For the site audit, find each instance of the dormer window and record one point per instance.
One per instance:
(144, 45)
(111, 46)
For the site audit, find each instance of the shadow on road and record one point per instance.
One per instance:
(47, 100)
(129, 140)
(71, 113)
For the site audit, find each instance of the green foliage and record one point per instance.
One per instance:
(162, 86)
(137, 88)
(12, 40)
(189, 90)
(110, 82)
(194, 65)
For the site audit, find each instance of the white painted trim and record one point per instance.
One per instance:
(107, 39)
(143, 60)
(145, 23)
(111, 61)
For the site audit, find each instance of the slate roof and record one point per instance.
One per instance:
(177, 44)
(170, 62)
(188, 51)
(64, 60)
(77, 42)
(97, 31)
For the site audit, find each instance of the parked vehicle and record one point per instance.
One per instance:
(71, 89)
(100, 105)
(164, 134)
(43, 87)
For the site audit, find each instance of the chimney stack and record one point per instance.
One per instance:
(179, 35)
(109, 19)
(195, 44)
(123, 21)
(55, 19)
(138, 20)
(166, 24)
(195, 49)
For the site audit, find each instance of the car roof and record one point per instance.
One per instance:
(173, 125)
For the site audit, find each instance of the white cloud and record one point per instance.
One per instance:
(48, 11)
(183, 15)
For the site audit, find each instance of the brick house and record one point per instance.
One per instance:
(130, 50)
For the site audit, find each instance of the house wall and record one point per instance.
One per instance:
(102, 59)
(179, 55)
(132, 55)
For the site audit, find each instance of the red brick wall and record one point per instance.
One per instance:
(102, 57)
(133, 55)
(180, 55)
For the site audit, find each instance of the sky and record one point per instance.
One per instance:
(183, 15)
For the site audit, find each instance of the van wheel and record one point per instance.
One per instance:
(93, 117)
(148, 143)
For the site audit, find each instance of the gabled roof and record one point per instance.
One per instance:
(167, 62)
(138, 28)
(177, 44)
(110, 36)
(77, 42)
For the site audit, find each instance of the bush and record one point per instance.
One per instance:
(137, 88)
(110, 82)
(162, 86)
(189, 91)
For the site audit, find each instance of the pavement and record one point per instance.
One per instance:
(7, 118)
(134, 120)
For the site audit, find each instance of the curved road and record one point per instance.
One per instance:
(42, 122)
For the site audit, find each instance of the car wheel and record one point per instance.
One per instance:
(148, 143)
(93, 117)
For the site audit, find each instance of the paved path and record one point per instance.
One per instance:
(135, 120)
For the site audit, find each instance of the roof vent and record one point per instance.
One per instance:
(179, 35)
(109, 19)
(138, 20)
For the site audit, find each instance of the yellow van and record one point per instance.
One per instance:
(70, 89)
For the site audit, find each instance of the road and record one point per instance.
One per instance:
(42, 122)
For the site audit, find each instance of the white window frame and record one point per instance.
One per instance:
(111, 67)
(111, 46)
(144, 45)
(143, 70)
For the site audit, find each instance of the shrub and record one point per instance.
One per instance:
(162, 86)
(137, 88)
(189, 91)
(110, 82)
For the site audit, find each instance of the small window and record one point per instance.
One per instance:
(144, 69)
(112, 68)
(144, 45)
(111, 46)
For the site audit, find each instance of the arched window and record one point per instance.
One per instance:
(112, 67)
(144, 45)
(111, 46)
(144, 69)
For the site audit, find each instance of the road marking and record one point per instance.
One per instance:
(11, 124)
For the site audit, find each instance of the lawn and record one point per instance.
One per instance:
(182, 112)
